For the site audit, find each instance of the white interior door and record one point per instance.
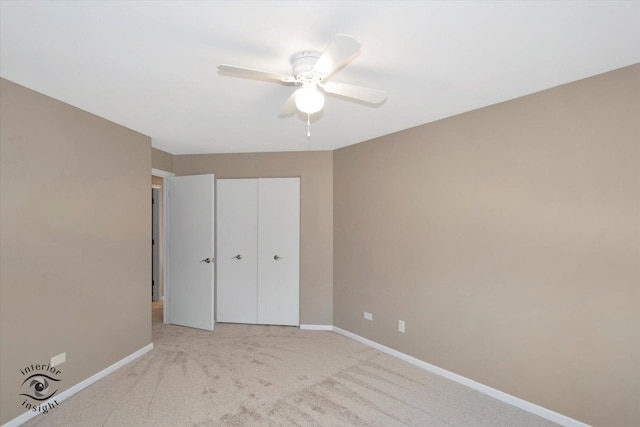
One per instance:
(190, 236)
(237, 281)
(279, 251)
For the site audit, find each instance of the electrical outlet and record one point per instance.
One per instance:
(368, 315)
(56, 360)
(401, 326)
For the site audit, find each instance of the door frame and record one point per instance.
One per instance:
(164, 174)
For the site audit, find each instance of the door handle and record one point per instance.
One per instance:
(237, 256)
(207, 260)
(276, 257)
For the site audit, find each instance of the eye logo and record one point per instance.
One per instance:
(39, 386)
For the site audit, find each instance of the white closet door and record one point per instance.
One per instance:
(279, 251)
(237, 216)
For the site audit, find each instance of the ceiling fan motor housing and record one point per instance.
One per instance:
(303, 63)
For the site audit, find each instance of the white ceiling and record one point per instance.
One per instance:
(151, 65)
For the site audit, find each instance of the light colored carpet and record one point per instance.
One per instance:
(248, 375)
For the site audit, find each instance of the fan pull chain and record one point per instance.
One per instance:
(308, 124)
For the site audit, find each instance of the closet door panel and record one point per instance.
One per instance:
(237, 281)
(279, 251)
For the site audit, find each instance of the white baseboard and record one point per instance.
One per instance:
(76, 388)
(492, 392)
(317, 327)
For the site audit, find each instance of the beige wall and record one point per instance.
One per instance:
(75, 230)
(508, 240)
(316, 213)
(161, 160)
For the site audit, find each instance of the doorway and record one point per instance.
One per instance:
(157, 242)
(155, 245)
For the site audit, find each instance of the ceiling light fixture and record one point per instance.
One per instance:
(309, 101)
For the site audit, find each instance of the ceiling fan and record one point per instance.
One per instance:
(311, 70)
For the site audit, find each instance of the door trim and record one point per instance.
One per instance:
(161, 173)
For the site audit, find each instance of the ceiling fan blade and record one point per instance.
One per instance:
(255, 74)
(339, 51)
(289, 107)
(372, 96)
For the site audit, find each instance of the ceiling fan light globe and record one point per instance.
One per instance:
(309, 100)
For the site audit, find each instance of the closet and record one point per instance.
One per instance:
(258, 251)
